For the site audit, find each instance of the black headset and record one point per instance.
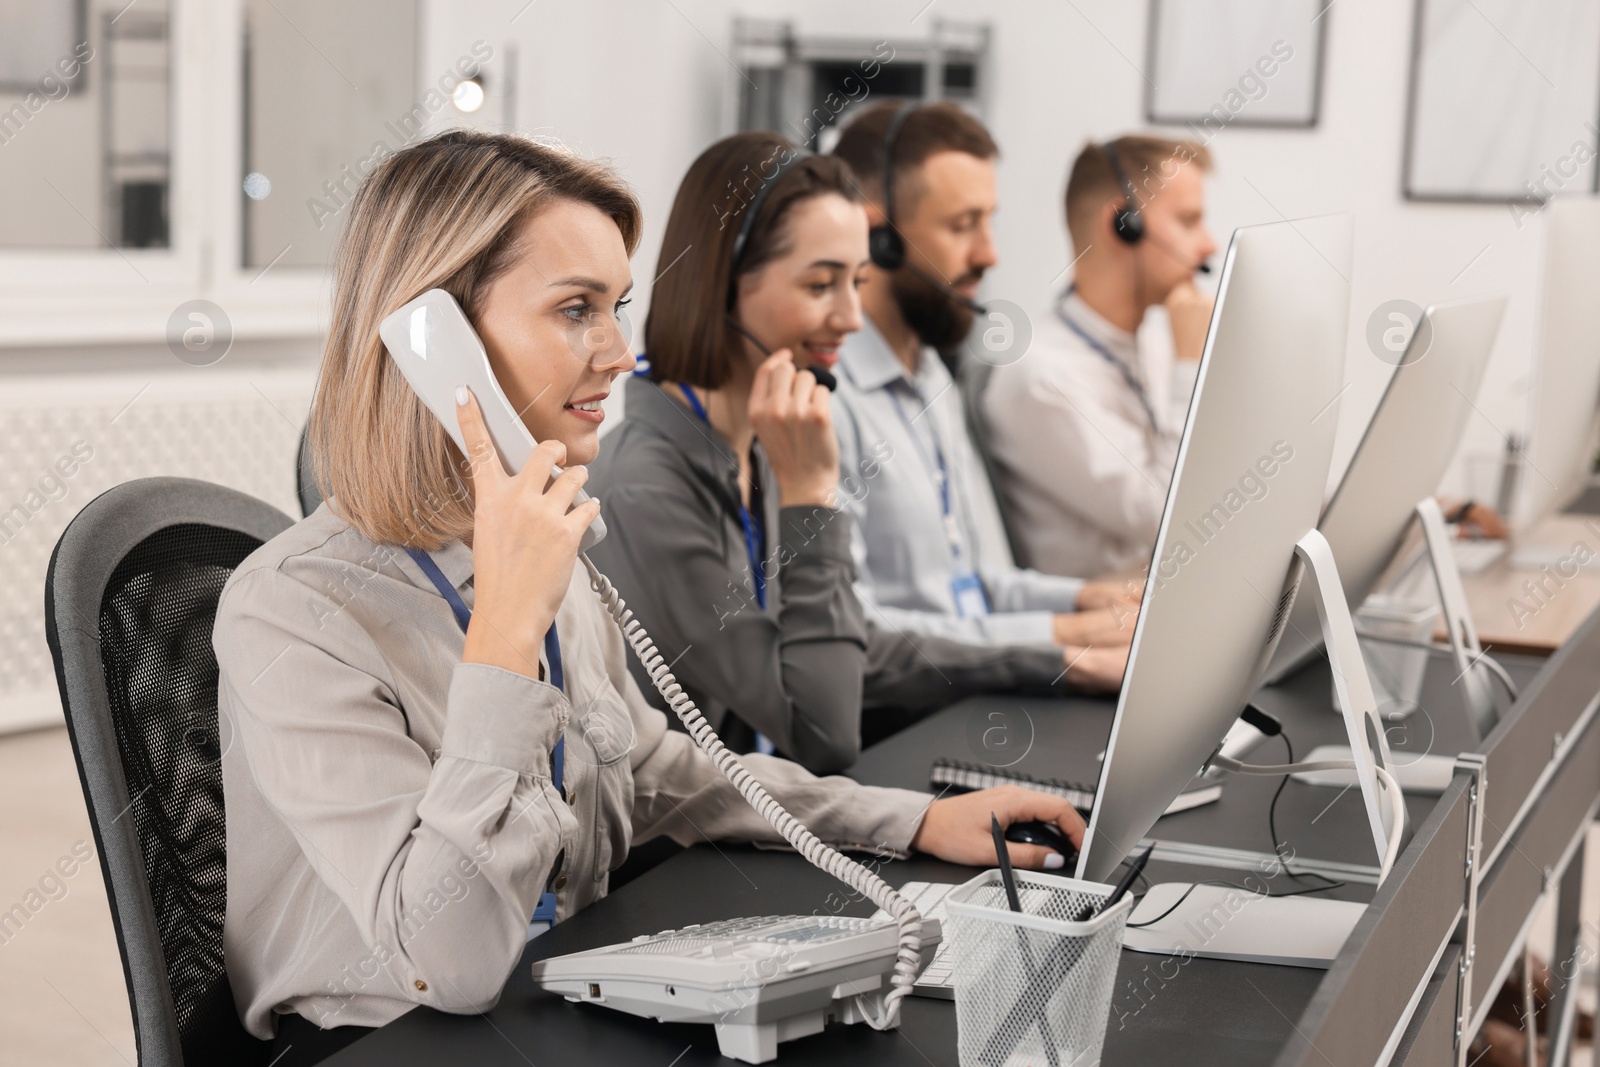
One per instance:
(1127, 223)
(796, 157)
(742, 238)
(884, 244)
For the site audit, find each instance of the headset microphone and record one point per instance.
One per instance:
(1202, 267)
(824, 378)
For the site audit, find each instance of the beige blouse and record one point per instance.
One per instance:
(391, 821)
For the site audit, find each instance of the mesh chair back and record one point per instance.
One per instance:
(129, 603)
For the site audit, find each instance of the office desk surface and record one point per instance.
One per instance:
(1513, 616)
(1216, 1012)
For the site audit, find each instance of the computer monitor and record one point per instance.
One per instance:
(1411, 439)
(1251, 469)
(1563, 430)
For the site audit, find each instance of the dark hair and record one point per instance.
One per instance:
(930, 129)
(686, 334)
(1092, 181)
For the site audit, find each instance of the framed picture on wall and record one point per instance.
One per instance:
(1504, 100)
(1218, 63)
(38, 34)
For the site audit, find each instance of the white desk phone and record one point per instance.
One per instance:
(758, 980)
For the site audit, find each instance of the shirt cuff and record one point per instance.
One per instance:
(1021, 628)
(896, 817)
(503, 718)
(814, 530)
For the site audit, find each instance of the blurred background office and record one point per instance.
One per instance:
(174, 175)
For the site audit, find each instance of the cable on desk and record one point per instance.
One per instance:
(1500, 672)
(1386, 781)
(1488, 662)
(1232, 885)
(1272, 822)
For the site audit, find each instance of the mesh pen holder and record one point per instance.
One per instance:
(1033, 987)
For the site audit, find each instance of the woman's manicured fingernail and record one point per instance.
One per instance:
(461, 396)
(1054, 861)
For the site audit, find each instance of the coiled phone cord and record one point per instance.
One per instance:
(821, 855)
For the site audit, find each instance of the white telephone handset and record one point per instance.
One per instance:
(437, 350)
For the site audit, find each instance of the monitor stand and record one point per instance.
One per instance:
(1226, 922)
(1430, 774)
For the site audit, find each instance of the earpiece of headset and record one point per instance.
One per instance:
(884, 243)
(885, 246)
(1127, 223)
(740, 239)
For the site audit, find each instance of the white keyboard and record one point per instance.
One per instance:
(937, 979)
(1474, 556)
(928, 898)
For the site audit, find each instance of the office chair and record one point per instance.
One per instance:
(305, 485)
(130, 598)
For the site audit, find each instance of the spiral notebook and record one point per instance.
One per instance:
(959, 777)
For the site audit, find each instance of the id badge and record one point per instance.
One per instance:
(970, 599)
(544, 915)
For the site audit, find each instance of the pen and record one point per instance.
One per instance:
(1127, 880)
(1004, 857)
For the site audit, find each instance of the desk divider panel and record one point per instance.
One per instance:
(1364, 998)
(1517, 878)
(1430, 1039)
(1525, 742)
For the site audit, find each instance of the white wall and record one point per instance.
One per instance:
(643, 83)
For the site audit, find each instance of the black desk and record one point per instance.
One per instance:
(1202, 1012)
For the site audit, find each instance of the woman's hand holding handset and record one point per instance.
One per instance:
(793, 420)
(524, 544)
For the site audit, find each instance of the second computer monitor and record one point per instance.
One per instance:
(1413, 434)
(1248, 485)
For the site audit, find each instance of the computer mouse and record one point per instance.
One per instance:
(1047, 834)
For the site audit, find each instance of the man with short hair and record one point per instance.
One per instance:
(1083, 430)
(930, 548)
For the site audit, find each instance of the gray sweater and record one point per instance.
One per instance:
(802, 669)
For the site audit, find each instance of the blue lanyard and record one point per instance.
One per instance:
(1106, 354)
(939, 468)
(751, 525)
(752, 548)
(463, 614)
(545, 910)
(938, 453)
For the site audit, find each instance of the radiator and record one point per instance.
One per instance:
(66, 439)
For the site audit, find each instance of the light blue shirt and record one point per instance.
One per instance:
(893, 429)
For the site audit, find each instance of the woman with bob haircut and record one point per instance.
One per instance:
(724, 483)
(437, 747)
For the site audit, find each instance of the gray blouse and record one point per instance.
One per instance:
(391, 821)
(802, 669)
